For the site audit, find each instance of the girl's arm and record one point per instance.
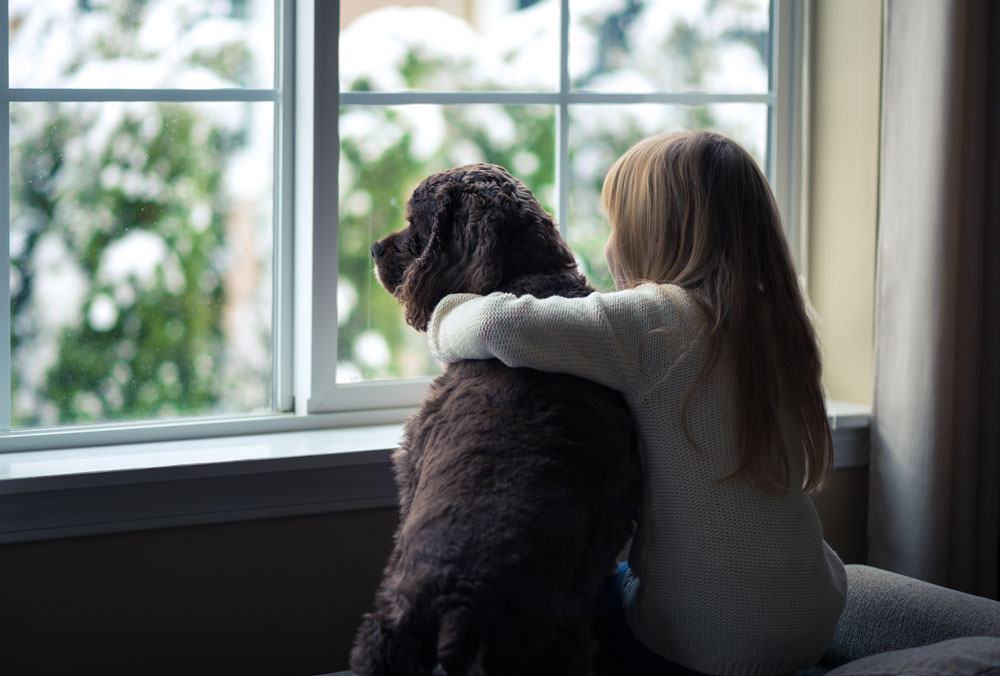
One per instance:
(599, 337)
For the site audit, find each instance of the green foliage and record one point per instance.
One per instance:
(174, 326)
(159, 353)
(145, 335)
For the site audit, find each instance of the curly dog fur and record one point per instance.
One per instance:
(517, 488)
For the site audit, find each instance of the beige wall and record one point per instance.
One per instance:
(843, 188)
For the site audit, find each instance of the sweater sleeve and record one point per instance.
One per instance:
(599, 337)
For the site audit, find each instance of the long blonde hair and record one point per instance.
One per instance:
(693, 209)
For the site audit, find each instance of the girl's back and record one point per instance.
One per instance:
(722, 574)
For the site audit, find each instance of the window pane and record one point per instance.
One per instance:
(133, 44)
(448, 46)
(140, 275)
(670, 46)
(600, 134)
(385, 152)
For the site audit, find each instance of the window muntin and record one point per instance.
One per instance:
(142, 216)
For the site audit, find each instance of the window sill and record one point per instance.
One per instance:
(89, 491)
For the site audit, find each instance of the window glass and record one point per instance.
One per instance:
(141, 44)
(694, 45)
(141, 232)
(140, 260)
(448, 46)
(385, 152)
(599, 134)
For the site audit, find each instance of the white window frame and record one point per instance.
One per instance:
(307, 100)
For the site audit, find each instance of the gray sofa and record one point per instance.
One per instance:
(894, 625)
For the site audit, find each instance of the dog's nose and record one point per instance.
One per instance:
(377, 249)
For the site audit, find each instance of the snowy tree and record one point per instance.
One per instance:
(127, 280)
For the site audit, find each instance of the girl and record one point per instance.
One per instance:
(708, 339)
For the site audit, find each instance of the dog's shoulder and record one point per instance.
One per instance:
(483, 404)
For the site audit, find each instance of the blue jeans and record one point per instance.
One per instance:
(629, 651)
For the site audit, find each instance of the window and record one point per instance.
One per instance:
(143, 146)
(556, 99)
(163, 160)
(141, 209)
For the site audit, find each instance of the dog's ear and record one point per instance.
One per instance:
(490, 227)
(431, 276)
(465, 247)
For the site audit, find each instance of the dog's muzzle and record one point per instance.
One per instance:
(377, 249)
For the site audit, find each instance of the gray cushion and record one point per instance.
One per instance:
(886, 611)
(975, 656)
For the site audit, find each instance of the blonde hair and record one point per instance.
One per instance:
(693, 209)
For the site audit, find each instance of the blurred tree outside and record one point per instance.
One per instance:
(140, 279)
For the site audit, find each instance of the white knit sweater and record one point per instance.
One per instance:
(725, 578)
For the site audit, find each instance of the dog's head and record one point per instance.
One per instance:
(472, 229)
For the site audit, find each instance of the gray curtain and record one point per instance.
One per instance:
(934, 509)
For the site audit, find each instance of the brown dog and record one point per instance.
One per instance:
(517, 488)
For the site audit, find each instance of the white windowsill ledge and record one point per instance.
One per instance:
(96, 490)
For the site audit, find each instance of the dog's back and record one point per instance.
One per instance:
(518, 490)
